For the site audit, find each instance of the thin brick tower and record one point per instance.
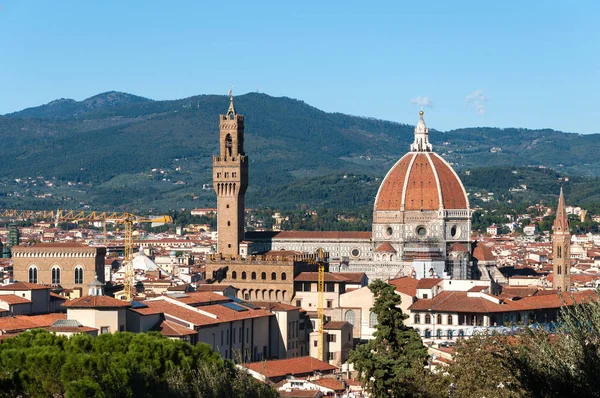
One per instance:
(230, 180)
(561, 248)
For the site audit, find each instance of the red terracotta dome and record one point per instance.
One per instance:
(421, 181)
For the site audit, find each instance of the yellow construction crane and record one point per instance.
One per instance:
(321, 259)
(127, 219)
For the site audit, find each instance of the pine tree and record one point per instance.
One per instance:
(387, 363)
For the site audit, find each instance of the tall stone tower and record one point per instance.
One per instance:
(230, 180)
(561, 248)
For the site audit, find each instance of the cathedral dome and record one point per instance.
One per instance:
(421, 181)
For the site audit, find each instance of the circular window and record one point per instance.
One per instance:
(355, 252)
(421, 231)
(389, 231)
(455, 232)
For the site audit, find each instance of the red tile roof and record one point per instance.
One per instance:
(96, 302)
(336, 235)
(24, 286)
(13, 299)
(298, 393)
(335, 325)
(428, 283)
(199, 317)
(70, 329)
(483, 253)
(450, 301)
(171, 329)
(385, 247)
(332, 384)
(197, 298)
(271, 306)
(406, 285)
(291, 366)
(458, 247)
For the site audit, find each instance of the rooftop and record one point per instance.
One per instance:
(291, 366)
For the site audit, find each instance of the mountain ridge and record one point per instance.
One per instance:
(109, 146)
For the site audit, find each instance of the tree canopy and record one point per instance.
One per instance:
(41, 364)
(387, 364)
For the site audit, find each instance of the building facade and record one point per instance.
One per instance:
(64, 265)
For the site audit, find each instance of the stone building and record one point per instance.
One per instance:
(421, 221)
(268, 277)
(61, 265)
(230, 180)
(561, 250)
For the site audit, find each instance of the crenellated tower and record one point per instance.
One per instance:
(230, 181)
(561, 248)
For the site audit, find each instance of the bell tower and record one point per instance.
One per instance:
(230, 180)
(561, 248)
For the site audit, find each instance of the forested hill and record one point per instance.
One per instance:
(117, 150)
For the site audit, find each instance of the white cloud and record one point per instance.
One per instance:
(422, 101)
(477, 100)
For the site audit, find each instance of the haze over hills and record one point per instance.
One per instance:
(117, 150)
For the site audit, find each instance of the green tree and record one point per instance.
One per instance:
(387, 364)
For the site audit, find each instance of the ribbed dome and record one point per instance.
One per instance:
(421, 181)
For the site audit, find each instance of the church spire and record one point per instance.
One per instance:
(231, 110)
(561, 223)
(421, 143)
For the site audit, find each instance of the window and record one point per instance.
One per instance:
(315, 343)
(330, 287)
(228, 223)
(331, 356)
(253, 276)
(298, 303)
(331, 338)
(283, 276)
(233, 336)
(439, 333)
(450, 333)
(461, 333)
(234, 275)
(104, 329)
(439, 319)
(427, 333)
(424, 295)
(449, 319)
(240, 334)
(244, 275)
(247, 335)
(329, 303)
(350, 317)
(427, 319)
(55, 275)
(417, 319)
(78, 275)
(263, 276)
(222, 342)
(33, 274)
(273, 276)
(372, 320)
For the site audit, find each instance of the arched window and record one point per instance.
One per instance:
(253, 275)
(56, 275)
(427, 319)
(427, 333)
(273, 276)
(234, 275)
(244, 275)
(450, 333)
(461, 333)
(417, 319)
(449, 319)
(263, 276)
(558, 252)
(33, 274)
(439, 333)
(439, 319)
(79, 275)
(350, 317)
(372, 320)
(283, 276)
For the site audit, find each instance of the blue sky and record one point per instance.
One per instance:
(503, 63)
